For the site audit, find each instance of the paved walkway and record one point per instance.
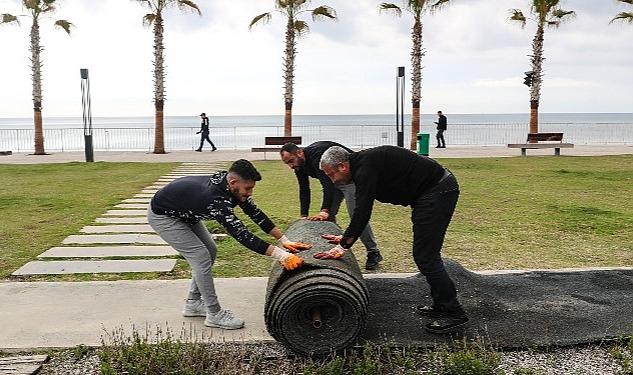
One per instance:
(225, 155)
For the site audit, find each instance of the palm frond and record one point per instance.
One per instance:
(390, 7)
(189, 5)
(323, 11)
(30, 4)
(517, 16)
(624, 16)
(149, 19)
(439, 4)
(49, 2)
(626, 1)
(9, 18)
(301, 27)
(49, 8)
(65, 25)
(264, 18)
(560, 13)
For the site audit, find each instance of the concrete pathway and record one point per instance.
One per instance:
(125, 229)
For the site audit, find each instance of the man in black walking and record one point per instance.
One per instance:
(204, 133)
(441, 127)
(305, 163)
(398, 176)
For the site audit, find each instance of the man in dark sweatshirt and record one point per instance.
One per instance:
(176, 213)
(305, 163)
(398, 176)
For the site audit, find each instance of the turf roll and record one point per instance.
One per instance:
(322, 306)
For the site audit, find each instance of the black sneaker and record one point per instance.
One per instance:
(373, 258)
(447, 324)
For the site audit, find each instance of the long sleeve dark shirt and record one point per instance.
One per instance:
(311, 168)
(387, 174)
(196, 198)
(441, 124)
(204, 125)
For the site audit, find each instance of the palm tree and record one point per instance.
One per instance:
(417, 8)
(547, 13)
(37, 10)
(291, 9)
(155, 18)
(624, 16)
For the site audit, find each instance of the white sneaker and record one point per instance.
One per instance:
(194, 307)
(224, 319)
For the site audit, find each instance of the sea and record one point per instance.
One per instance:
(242, 132)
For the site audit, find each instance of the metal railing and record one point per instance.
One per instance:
(362, 136)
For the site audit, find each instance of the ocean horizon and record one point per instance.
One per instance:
(322, 120)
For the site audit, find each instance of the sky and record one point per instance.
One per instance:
(474, 60)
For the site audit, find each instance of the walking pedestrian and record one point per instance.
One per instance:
(204, 133)
(441, 128)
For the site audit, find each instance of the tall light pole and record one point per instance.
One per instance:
(87, 114)
(400, 106)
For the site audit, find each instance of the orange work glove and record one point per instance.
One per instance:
(332, 238)
(321, 216)
(288, 261)
(334, 253)
(294, 247)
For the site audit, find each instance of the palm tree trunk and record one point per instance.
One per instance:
(416, 79)
(289, 71)
(36, 69)
(159, 85)
(537, 76)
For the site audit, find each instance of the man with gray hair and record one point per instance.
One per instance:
(398, 176)
(176, 213)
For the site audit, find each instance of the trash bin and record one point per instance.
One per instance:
(423, 144)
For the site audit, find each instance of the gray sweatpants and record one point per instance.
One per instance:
(349, 193)
(195, 244)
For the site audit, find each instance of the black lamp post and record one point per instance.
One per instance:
(87, 114)
(400, 106)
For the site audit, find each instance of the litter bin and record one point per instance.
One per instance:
(423, 144)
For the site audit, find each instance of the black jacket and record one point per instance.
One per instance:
(387, 174)
(196, 198)
(441, 124)
(311, 168)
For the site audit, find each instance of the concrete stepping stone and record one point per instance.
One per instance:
(95, 266)
(138, 200)
(125, 213)
(149, 191)
(155, 188)
(122, 220)
(144, 195)
(139, 238)
(132, 205)
(22, 365)
(132, 228)
(86, 239)
(108, 251)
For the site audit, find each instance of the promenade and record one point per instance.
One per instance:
(230, 154)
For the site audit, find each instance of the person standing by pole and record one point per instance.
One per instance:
(204, 133)
(441, 127)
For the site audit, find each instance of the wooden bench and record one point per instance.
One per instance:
(276, 141)
(550, 140)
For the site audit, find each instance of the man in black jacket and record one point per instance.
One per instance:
(176, 213)
(305, 163)
(441, 127)
(204, 133)
(398, 176)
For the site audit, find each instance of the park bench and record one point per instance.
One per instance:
(277, 142)
(542, 140)
(5, 153)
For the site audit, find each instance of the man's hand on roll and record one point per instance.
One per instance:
(334, 253)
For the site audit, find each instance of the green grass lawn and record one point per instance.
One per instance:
(40, 205)
(535, 212)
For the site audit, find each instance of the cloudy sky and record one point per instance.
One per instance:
(474, 60)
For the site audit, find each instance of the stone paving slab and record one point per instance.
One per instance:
(22, 365)
(144, 195)
(152, 239)
(131, 228)
(122, 220)
(137, 200)
(94, 266)
(108, 251)
(149, 191)
(125, 213)
(132, 205)
(153, 187)
(86, 239)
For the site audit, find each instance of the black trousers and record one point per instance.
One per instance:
(431, 214)
(440, 138)
(205, 137)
